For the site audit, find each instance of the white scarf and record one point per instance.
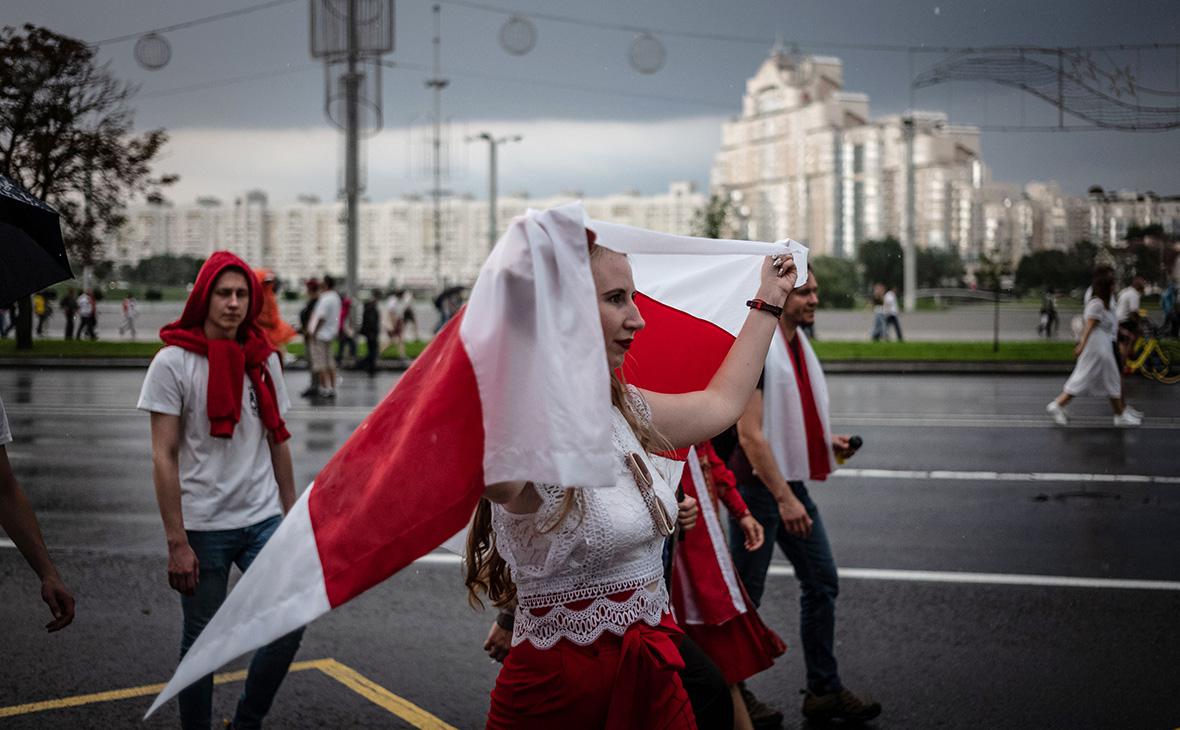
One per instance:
(782, 408)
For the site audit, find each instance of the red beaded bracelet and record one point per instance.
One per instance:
(762, 306)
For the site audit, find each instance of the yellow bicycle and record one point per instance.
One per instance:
(1154, 358)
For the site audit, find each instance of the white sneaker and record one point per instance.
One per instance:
(1058, 413)
(1133, 411)
(1127, 420)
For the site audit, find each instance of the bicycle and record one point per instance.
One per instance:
(1154, 357)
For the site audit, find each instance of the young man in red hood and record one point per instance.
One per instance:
(221, 464)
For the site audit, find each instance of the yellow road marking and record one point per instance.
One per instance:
(343, 674)
(382, 697)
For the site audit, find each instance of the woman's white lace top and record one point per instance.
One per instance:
(606, 545)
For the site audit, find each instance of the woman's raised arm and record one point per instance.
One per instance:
(689, 418)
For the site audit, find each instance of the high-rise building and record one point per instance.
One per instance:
(395, 238)
(804, 160)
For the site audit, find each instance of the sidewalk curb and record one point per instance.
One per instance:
(865, 367)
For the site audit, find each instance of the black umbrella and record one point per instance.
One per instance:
(32, 253)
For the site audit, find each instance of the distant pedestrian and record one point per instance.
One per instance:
(1048, 323)
(325, 325)
(69, 310)
(221, 465)
(20, 524)
(1170, 303)
(277, 332)
(1097, 371)
(43, 310)
(7, 321)
(87, 315)
(345, 337)
(130, 314)
(371, 331)
(396, 316)
(892, 314)
(313, 294)
(878, 331)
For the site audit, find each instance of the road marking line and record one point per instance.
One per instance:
(6, 543)
(1004, 579)
(935, 576)
(343, 674)
(1003, 476)
(382, 697)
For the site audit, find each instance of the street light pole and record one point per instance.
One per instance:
(909, 252)
(493, 143)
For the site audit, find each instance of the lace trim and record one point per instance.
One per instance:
(581, 590)
(584, 627)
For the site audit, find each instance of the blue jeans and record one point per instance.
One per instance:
(217, 551)
(815, 569)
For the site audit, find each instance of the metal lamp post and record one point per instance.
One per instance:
(493, 143)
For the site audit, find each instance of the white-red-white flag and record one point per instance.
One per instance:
(513, 388)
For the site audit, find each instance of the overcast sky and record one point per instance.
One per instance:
(590, 122)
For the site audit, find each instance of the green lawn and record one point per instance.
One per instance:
(945, 351)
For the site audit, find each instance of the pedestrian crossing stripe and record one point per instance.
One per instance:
(345, 675)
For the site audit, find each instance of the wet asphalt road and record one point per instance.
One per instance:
(937, 654)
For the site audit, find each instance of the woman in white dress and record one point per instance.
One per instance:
(594, 645)
(1097, 370)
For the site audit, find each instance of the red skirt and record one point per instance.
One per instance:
(618, 682)
(740, 647)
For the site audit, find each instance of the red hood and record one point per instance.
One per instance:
(196, 308)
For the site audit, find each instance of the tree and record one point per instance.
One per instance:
(837, 280)
(1061, 270)
(165, 269)
(65, 135)
(938, 267)
(880, 263)
(712, 220)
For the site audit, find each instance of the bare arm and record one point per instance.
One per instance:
(183, 568)
(689, 418)
(753, 441)
(280, 459)
(19, 521)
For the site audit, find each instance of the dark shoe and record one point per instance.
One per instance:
(311, 392)
(841, 705)
(761, 714)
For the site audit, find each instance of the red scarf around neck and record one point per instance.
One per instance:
(229, 360)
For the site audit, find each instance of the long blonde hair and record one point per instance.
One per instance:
(487, 573)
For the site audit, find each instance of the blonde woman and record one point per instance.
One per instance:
(594, 645)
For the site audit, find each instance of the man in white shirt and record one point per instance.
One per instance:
(87, 315)
(20, 524)
(221, 465)
(1126, 311)
(325, 325)
(892, 318)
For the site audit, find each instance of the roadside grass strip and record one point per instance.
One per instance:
(933, 351)
(345, 675)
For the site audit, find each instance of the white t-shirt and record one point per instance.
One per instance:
(85, 305)
(224, 483)
(890, 303)
(327, 310)
(5, 432)
(1128, 304)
